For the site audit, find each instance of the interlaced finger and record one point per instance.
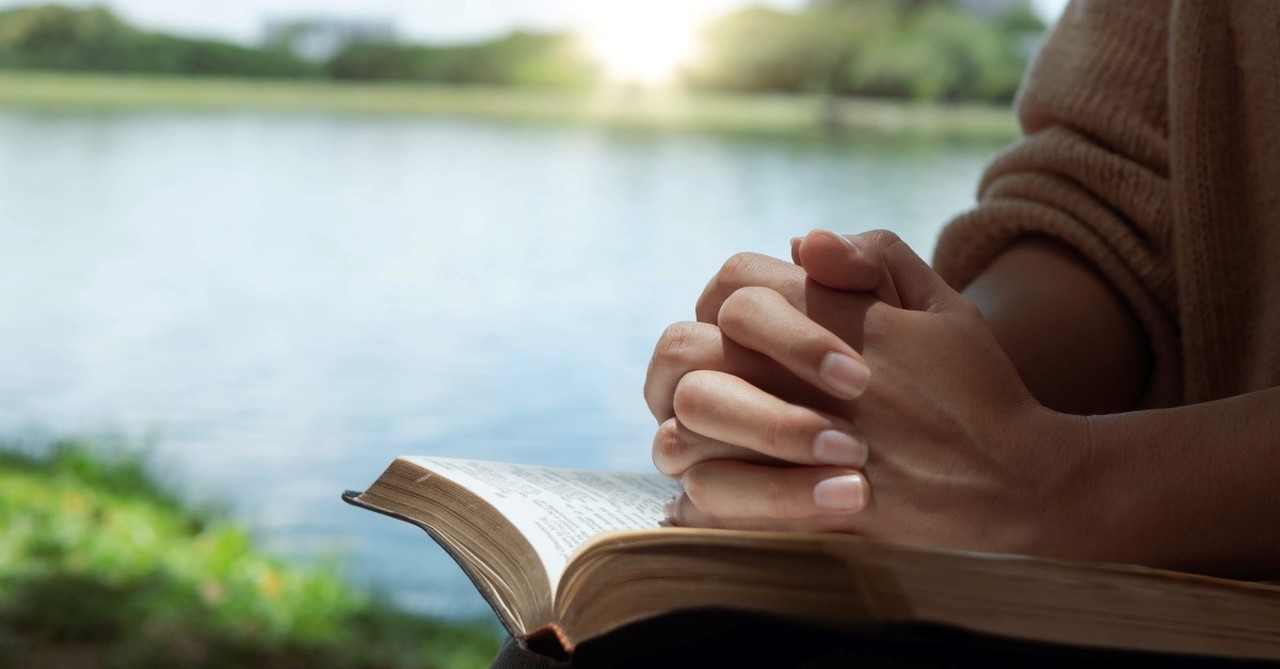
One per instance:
(726, 408)
(729, 489)
(762, 320)
(676, 448)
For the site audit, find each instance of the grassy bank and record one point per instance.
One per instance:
(646, 110)
(102, 567)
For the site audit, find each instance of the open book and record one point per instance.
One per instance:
(566, 555)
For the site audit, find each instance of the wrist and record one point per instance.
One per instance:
(1093, 495)
(1074, 511)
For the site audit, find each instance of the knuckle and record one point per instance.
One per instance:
(678, 349)
(880, 313)
(969, 310)
(740, 307)
(882, 238)
(745, 307)
(738, 267)
(784, 427)
(690, 396)
(774, 498)
(668, 448)
(755, 296)
(676, 342)
(740, 270)
(812, 342)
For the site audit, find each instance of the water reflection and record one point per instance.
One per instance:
(288, 302)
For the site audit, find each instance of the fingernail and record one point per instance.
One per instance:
(848, 241)
(669, 509)
(796, 240)
(843, 374)
(832, 447)
(844, 239)
(841, 493)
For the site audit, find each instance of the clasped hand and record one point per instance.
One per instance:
(854, 391)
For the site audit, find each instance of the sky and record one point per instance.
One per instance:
(435, 20)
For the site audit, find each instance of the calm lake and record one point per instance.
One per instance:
(284, 303)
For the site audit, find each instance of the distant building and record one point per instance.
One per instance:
(321, 39)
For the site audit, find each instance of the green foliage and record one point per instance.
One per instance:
(921, 49)
(56, 37)
(940, 54)
(517, 59)
(1022, 20)
(754, 50)
(371, 61)
(53, 37)
(175, 55)
(97, 558)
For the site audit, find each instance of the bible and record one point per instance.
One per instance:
(565, 555)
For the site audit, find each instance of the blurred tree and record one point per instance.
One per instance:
(532, 59)
(940, 54)
(378, 62)
(754, 50)
(56, 37)
(516, 59)
(1022, 20)
(921, 49)
(53, 37)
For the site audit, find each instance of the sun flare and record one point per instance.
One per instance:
(645, 42)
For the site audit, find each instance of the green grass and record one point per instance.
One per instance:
(646, 110)
(101, 566)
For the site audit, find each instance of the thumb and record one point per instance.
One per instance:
(850, 263)
(920, 288)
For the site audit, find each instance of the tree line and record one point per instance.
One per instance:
(54, 37)
(915, 49)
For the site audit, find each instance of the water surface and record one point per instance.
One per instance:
(287, 302)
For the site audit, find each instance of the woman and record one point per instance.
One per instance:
(1107, 384)
(1124, 259)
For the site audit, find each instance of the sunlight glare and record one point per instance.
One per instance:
(645, 42)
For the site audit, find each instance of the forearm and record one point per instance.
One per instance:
(1074, 341)
(1193, 487)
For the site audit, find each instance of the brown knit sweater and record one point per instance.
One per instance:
(1152, 145)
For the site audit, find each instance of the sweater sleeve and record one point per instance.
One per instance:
(1091, 170)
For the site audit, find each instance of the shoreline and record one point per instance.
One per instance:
(625, 109)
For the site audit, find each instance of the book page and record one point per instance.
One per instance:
(556, 509)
